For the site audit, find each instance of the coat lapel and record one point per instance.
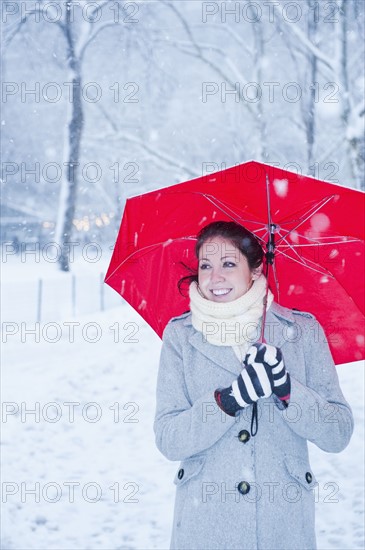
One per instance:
(278, 319)
(224, 356)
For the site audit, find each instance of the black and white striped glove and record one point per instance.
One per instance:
(254, 382)
(273, 358)
(264, 374)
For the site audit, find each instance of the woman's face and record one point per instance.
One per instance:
(224, 274)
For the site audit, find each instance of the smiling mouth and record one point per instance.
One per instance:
(221, 291)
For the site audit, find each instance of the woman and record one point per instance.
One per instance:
(238, 413)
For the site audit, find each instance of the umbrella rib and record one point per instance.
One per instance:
(311, 210)
(258, 236)
(268, 203)
(234, 216)
(276, 280)
(301, 260)
(150, 246)
(324, 272)
(309, 214)
(316, 239)
(323, 244)
(255, 231)
(289, 245)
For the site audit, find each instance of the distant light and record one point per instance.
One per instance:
(105, 218)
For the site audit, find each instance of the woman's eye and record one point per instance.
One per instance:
(225, 264)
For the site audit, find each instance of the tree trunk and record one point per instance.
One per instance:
(347, 116)
(259, 53)
(70, 182)
(309, 115)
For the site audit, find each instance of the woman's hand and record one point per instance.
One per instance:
(255, 381)
(264, 374)
(272, 358)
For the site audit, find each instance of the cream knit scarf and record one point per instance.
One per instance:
(236, 323)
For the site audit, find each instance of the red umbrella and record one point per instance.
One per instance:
(316, 229)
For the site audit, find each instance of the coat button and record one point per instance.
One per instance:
(180, 473)
(244, 436)
(308, 477)
(243, 487)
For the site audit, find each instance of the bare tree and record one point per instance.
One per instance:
(318, 53)
(308, 107)
(77, 40)
(216, 58)
(335, 64)
(351, 114)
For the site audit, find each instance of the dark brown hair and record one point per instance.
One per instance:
(246, 242)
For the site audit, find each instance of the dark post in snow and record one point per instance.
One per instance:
(39, 301)
(102, 307)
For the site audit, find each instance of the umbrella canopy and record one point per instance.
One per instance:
(319, 235)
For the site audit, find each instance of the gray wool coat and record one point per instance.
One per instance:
(275, 507)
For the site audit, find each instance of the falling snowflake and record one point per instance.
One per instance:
(294, 237)
(295, 289)
(281, 187)
(360, 340)
(320, 222)
(291, 290)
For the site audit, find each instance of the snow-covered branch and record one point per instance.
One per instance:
(303, 39)
(93, 35)
(228, 29)
(198, 53)
(185, 47)
(165, 157)
(16, 27)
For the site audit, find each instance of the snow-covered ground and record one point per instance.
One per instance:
(82, 471)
